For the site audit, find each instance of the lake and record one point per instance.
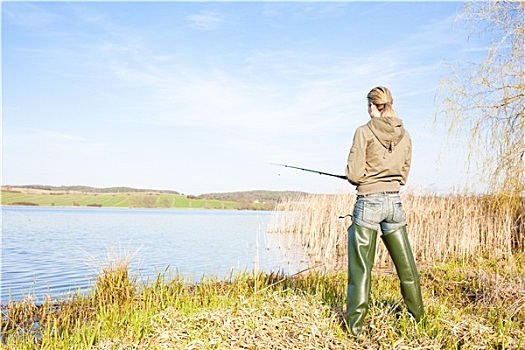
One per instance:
(53, 251)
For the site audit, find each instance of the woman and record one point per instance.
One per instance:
(378, 164)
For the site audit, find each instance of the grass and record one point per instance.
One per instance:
(122, 200)
(474, 304)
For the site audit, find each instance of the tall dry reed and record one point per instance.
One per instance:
(317, 223)
(439, 228)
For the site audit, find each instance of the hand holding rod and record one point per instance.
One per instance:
(312, 171)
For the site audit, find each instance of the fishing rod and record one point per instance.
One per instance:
(312, 171)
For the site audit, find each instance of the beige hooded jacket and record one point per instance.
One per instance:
(379, 160)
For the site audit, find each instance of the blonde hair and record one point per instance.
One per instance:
(382, 98)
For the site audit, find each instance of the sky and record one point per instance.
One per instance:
(201, 97)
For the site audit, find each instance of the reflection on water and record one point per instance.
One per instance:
(52, 251)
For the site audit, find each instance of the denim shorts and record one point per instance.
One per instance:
(380, 210)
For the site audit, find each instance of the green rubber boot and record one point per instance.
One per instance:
(361, 255)
(401, 253)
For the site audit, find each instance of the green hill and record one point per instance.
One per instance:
(125, 197)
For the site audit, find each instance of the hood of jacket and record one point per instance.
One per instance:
(389, 131)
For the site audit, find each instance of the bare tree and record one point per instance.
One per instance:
(486, 101)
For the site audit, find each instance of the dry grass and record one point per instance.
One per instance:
(273, 321)
(477, 304)
(439, 228)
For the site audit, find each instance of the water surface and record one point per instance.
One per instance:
(53, 251)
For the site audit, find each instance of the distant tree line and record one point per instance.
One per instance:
(90, 189)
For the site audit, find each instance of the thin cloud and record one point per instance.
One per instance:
(63, 136)
(53, 142)
(28, 15)
(204, 22)
(35, 135)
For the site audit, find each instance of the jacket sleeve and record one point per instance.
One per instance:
(356, 164)
(408, 160)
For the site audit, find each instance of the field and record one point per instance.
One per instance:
(150, 199)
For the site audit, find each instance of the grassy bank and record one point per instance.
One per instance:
(475, 304)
